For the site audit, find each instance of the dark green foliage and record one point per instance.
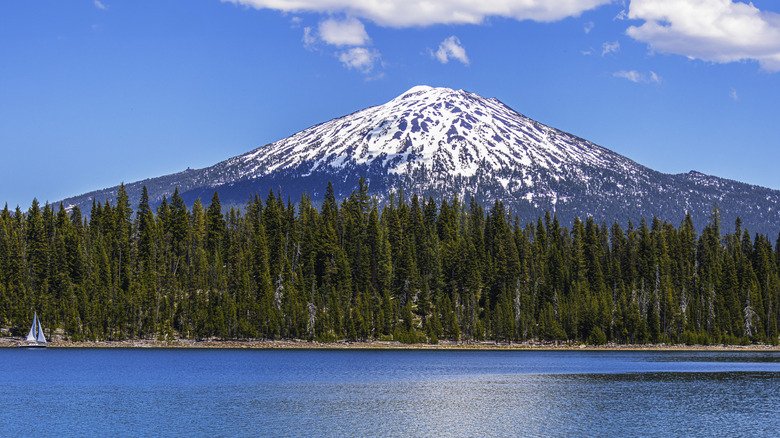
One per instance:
(597, 337)
(412, 271)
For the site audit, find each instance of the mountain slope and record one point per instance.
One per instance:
(441, 142)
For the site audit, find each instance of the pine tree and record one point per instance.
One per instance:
(418, 271)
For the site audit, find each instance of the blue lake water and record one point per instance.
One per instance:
(138, 392)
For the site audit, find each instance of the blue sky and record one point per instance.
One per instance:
(93, 93)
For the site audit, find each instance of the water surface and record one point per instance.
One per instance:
(132, 392)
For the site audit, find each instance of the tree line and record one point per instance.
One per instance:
(413, 270)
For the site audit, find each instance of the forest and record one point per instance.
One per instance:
(412, 270)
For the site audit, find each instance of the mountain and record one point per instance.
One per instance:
(440, 142)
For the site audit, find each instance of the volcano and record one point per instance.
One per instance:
(442, 143)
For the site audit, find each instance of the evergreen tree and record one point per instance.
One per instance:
(417, 271)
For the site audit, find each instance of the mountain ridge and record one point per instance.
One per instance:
(440, 142)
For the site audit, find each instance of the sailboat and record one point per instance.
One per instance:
(35, 339)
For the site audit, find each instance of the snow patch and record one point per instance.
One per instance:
(456, 132)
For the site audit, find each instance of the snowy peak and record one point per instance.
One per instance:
(453, 133)
(416, 91)
(442, 143)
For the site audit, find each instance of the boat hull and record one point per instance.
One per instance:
(32, 345)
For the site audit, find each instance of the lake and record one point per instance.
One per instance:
(180, 392)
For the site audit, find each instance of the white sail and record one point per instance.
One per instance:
(36, 337)
(40, 338)
(31, 335)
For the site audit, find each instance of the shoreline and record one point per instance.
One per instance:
(294, 344)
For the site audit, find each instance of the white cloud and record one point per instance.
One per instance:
(451, 48)
(654, 77)
(733, 94)
(637, 77)
(347, 32)
(610, 47)
(359, 58)
(100, 5)
(632, 75)
(710, 30)
(589, 26)
(407, 13)
(309, 40)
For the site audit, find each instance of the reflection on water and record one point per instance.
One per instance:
(716, 356)
(389, 393)
(655, 404)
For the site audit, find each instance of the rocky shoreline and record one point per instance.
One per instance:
(389, 345)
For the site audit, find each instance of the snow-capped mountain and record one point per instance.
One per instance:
(441, 142)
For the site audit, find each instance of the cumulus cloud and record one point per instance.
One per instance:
(359, 58)
(406, 13)
(451, 48)
(733, 94)
(347, 32)
(99, 5)
(637, 77)
(610, 47)
(710, 30)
